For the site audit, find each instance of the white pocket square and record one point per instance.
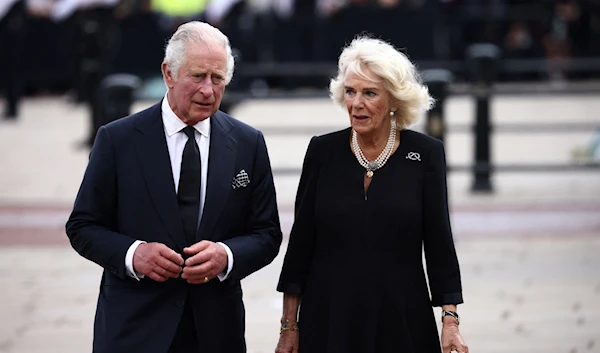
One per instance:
(241, 180)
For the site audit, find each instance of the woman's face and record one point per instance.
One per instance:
(368, 103)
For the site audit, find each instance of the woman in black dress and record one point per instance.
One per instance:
(371, 198)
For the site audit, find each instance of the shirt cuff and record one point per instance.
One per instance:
(223, 275)
(129, 261)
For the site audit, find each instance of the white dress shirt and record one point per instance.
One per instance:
(176, 141)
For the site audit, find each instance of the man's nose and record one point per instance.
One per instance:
(206, 87)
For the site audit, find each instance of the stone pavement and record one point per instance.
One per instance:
(528, 252)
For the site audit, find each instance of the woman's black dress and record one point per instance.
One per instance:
(355, 257)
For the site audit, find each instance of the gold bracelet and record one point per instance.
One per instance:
(287, 327)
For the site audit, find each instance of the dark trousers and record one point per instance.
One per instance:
(12, 35)
(186, 340)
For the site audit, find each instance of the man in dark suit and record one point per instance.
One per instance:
(177, 205)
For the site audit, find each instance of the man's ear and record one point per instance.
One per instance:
(168, 75)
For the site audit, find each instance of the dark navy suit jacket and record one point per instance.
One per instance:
(128, 194)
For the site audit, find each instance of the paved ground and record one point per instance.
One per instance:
(528, 252)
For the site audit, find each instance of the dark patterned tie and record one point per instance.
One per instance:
(188, 194)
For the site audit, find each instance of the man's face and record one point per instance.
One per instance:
(197, 93)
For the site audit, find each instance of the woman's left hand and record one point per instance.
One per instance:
(452, 340)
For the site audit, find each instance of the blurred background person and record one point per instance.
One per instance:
(569, 34)
(141, 39)
(95, 40)
(13, 24)
(518, 42)
(238, 20)
(485, 20)
(173, 13)
(293, 26)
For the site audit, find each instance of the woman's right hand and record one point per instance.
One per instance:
(288, 342)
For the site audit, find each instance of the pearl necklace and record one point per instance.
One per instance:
(383, 156)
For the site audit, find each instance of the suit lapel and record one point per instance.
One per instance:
(221, 163)
(151, 145)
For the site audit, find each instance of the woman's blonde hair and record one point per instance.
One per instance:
(399, 75)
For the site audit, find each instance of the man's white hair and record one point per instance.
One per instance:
(195, 32)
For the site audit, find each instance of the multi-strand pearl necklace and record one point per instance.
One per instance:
(383, 156)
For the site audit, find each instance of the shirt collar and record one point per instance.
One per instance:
(173, 124)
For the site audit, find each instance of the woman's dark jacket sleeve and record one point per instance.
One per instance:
(440, 254)
(298, 257)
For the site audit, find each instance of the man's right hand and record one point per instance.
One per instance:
(157, 261)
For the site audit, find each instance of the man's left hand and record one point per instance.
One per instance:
(207, 259)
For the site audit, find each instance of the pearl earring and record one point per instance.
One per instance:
(391, 113)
